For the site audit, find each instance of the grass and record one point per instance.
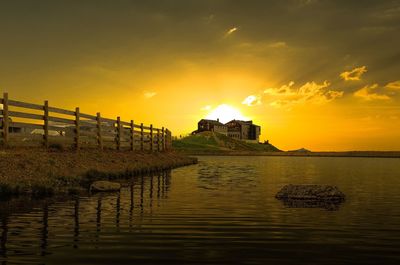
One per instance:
(204, 141)
(40, 172)
(215, 142)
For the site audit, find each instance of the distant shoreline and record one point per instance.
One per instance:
(369, 154)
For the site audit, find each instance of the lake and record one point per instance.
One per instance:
(220, 211)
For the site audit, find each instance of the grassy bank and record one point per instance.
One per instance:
(40, 172)
(209, 143)
(216, 143)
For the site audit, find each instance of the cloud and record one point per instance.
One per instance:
(252, 100)
(367, 93)
(307, 2)
(333, 94)
(354, 75)
(284, 90)
(230, 31)
(310, 92)
(394, 85)
(149, 94)
(317, 93)
(208, 19)
(389, 13)
(377, 29)
(206, 108)
(260, 47)
(278, 44)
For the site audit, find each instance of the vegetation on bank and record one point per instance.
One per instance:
(209, 143)
(40, 172)
(214, 143)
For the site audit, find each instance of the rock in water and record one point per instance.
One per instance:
(331, 205)
(310, 192)
(105, 186)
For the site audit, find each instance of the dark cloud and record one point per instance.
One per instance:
(320, 37)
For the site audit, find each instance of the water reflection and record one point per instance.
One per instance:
(98, 216)
(215, 175)
(132, 204)
(222, 211)
(4, 234)
(17, 245)
(118, 212)
(45, 230)
(324, 204)
(76, 224)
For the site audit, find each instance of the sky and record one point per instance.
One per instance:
(318, 74)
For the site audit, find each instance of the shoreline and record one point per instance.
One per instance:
(39, 172)
(366, 154)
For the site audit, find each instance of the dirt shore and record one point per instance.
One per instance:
(40, 172)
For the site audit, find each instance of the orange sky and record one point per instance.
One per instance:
(309, 79)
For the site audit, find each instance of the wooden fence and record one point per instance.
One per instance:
(27, 124)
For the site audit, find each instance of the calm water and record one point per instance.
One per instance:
(221, 211)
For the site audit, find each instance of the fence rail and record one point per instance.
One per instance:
(28, 124)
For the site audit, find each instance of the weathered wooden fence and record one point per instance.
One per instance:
(27, 124)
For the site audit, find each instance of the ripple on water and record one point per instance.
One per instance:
(220, 211)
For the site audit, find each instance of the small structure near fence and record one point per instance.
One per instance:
(27, 124)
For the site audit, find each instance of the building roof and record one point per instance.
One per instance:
(213, 122)
(244, 122)
(241, 122)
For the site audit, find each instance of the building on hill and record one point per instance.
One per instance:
(236, 129)
(244, 130)
(205, 125)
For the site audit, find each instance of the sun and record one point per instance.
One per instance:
(225, 113)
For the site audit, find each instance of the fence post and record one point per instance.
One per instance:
(170, 139)
(46, 124)
(118, 133)
(162, 139)
(158, 140)
(167, 139)
(132, 135)
(6, 124)
(151, 138)
(99, 137)
(141, 137)
(77, 128)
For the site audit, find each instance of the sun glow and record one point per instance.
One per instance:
(225, 113)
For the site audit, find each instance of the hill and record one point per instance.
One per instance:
(213, 143)
(301, 150)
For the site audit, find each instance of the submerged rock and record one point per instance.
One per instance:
(103, 185)
(331, 205)
(310, 193)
